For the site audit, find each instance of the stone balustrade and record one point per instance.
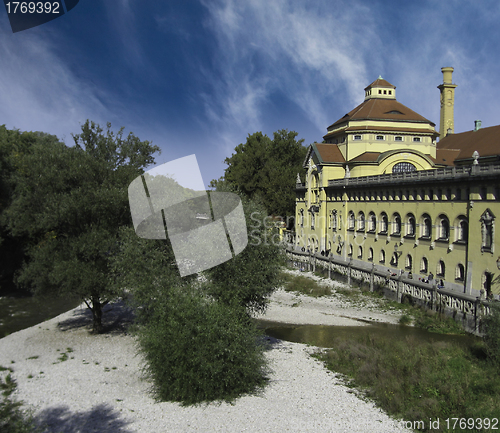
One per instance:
(465, 309)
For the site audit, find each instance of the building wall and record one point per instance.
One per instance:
(455, 250)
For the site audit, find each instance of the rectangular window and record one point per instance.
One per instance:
(416, 139)
(398, 138)
(357, 137)
(380, 137)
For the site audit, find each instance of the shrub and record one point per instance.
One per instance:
(200, 350)
(492, 333)
(12, 417)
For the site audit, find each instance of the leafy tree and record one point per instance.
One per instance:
(267, 169)
(70, 203)
(195, 332)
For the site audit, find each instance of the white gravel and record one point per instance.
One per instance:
(99, 387)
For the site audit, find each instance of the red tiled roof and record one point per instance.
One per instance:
(329, 152)
(486, 141)
(380, 82)
(382, 109)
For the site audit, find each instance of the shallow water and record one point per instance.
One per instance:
(20, 312)
(325, 336)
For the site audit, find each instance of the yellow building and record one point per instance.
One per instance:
(386, 188)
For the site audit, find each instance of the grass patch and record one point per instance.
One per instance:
(304, 285)
(417, 380)
(33, 357)
(12, 418)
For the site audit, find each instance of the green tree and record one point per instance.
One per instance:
(195, 332)
(70, 203)
(267, 169)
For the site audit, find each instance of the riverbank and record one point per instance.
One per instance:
(338, 309)
(93, 383)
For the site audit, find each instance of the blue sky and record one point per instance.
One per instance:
(199, 76)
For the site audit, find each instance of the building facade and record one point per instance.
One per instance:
(386, 188)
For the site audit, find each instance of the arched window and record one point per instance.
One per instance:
(350, 250)
(382, 256)
(333, 220)
(351, 220)
(409, 262)
(463, 231)
(444, 227)
(302, 217)
(370, 255)
(361, 222)
(372, 222)
(460, 272)
(401, 167)
(312, 220)
(424, 265)
(394, 259)
(426, 226)
(411, 226)
(360, 252)
(384, 223)
(396, 224)
(440, 270)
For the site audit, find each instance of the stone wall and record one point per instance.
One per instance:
(465, 309)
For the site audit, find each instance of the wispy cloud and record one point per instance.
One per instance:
(39, 91)
(308, 53)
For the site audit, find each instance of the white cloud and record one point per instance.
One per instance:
(38, 90)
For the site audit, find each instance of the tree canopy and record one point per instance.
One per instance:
(266, 170)
(70, 203)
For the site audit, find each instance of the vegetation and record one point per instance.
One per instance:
(12, 417)
(304, 285)
(266, 170)
(195, 333)
(68, 205)
(417, 380)
(492, 333)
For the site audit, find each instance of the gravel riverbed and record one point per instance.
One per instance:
(77, 382)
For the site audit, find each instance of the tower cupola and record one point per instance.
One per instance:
(381, 89)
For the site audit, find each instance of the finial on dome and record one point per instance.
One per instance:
(380, 77)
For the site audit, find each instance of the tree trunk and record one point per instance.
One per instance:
(97, 327)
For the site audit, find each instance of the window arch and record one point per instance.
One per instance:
(394, 259)
(424, 265)
(333, 220)
(403, 167)
(361, 221)
(444, 227)
(382, 256)
(351, 221)
(396, 225)
(302, 217)
(426, 226)
(360, 252)
(440, 269)
(372, 222)
(370, 255)
(460, 272)
(462, 230)
(384, 222)
(409, 262)
(411, 226)
(350, 250)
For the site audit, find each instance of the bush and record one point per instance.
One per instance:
(12, 417)
(200, 350)
(492, 333)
